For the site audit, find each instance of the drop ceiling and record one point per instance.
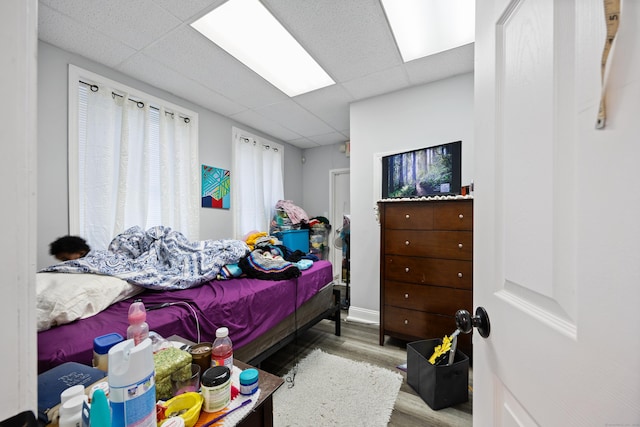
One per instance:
(152, 41)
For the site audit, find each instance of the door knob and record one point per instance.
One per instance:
(466, 323)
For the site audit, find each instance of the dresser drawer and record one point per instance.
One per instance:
(431, 299)
(430, 244)
(453, 216)
(431, 271)
(408, 216)
(414, 325)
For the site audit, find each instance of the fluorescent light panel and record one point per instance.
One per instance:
(247, 31)
(425, 27)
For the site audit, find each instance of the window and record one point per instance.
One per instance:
(133, 160)
(257, 181)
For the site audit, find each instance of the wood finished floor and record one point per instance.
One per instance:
(360, 342)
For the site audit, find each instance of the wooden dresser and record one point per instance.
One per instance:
(426, 268)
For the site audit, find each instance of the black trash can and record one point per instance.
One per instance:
(439, 386)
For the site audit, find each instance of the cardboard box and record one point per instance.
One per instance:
(439, 386)
(166, 362)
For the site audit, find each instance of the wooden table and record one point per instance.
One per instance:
(262, 413)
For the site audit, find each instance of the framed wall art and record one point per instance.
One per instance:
(216, 187)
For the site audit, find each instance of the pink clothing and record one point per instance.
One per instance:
(295, 213)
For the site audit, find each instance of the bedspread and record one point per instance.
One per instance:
(159, 258)
(250, 308)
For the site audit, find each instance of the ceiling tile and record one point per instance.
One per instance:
(120, 19)
(150, 71)
(259, 122)
(74, 36)
(442, 65)
(296, 118)
(328, 138)
(378, 83)
(189, 10)
(331, 104)
(303, 143)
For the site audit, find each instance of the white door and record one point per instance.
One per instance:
(18, 166)
(557, 216)
(340, 206)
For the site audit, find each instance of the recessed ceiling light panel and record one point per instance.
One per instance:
(425, 27)
(247, 31)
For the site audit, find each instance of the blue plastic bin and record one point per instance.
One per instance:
(295, 239)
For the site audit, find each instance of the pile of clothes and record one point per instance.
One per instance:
(268, 259)
(288, 216)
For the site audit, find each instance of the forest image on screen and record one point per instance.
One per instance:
(423, 172)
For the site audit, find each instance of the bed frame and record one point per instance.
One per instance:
(324, 305)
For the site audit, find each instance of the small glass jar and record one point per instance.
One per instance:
(201, 355)
(248, 381)
(216, 388)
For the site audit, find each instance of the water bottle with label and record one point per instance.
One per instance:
(222, 349)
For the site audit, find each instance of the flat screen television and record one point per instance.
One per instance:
(424, 172)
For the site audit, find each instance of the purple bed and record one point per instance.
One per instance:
(261, 315)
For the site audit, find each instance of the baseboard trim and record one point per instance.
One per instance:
(363, 315)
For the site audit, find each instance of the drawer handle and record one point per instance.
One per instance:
(406, 243)
(460, 245)
(407, 216)
(460, 274)
(406, 269)
(461, 216)
(406, 296)
(406, 321)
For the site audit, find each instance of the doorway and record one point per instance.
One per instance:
(340, 206)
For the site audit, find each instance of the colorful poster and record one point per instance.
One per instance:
(216, 187)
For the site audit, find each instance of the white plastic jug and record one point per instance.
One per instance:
(132, 387)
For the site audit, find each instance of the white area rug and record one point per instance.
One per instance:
(332, 391)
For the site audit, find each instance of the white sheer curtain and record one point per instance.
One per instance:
(258, 182)
(179, 172)
(137, 165)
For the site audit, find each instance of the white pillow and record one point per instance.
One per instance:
(65, 297)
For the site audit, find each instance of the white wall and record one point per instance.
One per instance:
(215, 148)
(316, 177)
(428, 115)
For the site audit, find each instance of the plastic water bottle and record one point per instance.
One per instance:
(222, 349)
(138, 329)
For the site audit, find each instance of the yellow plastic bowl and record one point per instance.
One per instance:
(186, 405)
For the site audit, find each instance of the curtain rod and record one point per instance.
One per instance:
(265, 146)
(140, 104)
